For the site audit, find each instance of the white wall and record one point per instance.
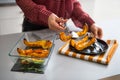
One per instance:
(106, 10)
(88, 6)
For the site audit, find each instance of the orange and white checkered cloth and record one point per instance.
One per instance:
(101, 58)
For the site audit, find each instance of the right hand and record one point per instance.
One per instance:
(97, 31)
(56, 23)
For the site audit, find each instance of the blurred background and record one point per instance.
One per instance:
(11, 16)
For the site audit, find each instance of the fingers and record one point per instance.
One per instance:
(97, 31)
(62, 20)
(94, 31)
(100, 33)
(60, 23)
(58, 27)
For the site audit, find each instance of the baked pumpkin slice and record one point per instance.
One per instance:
(39, 53)
(84, 31)
(74, 42)
(45, 44)
(64, 37)
(81, 46)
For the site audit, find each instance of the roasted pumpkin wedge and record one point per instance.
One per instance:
(81, 46)
(40, 53)
(73, 42)
(64, 37)
(45, 44)
(84, 31)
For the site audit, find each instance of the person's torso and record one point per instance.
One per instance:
(62, 8)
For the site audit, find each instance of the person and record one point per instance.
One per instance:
(41, 14)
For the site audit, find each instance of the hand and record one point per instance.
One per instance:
(97, 31)
(56, 23)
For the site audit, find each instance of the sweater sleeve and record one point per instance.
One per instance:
(79, 14)
(35, 13)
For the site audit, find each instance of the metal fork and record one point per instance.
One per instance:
(97, 46)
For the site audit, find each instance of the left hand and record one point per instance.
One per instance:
(97, 31)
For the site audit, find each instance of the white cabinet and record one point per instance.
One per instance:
(6, 1)
(11, 18)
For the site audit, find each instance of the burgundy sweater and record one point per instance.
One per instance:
(38, 11)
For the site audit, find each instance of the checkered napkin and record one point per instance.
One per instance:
(101, 58)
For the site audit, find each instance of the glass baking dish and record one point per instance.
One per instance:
(32, 64)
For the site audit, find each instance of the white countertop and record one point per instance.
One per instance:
(62, 67)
